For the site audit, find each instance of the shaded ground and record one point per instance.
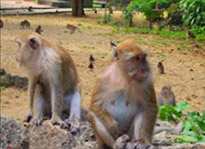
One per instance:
(184, 68)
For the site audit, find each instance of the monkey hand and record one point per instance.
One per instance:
(74, 125)
(121, 142)
(56, 120)
(137, 144)
(114, 129)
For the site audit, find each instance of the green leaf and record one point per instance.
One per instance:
(182, 106)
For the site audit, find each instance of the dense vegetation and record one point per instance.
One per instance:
(175, 18)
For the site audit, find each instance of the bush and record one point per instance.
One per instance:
(193, 12)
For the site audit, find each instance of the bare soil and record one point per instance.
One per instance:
(184, 63)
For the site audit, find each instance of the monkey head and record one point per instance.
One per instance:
(132, 60)
(166, 91)
(28, 50)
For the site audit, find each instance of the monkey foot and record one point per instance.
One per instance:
(121, 142)
(38, 121)
(137, 144)
(58, 121)
(74, 125)
(27, 118)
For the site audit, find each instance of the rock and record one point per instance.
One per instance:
(13, 134)
(53, 137)
(2, 72)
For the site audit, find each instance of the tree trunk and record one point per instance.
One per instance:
(77, 8)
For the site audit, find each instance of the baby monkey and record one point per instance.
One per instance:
(72, 28)
(39, 30)
(25, 23)
(167, 96)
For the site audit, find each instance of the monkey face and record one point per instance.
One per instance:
(136, 65)
(166, 90)
(26, 51)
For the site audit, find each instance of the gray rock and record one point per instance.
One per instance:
(47, 136)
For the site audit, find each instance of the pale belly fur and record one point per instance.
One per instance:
(122, 110)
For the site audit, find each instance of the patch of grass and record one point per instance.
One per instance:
(165, 43)
(140, 41)
(65, 31)
(102, 54)
(118, 41)
(161, 55)
(184, 47)
(79, 24)
(86, 47)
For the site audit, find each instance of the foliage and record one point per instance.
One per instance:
(105, 20)
(146, 7)
(168, 112)
(127, 15)
(193, 12)
(194, 128)
(194, 122)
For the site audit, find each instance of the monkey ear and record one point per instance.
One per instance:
(34, 43)
(19, 41)
(115, 51)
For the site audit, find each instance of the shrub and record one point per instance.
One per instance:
(193, 12)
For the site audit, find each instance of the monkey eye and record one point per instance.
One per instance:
(137, 58)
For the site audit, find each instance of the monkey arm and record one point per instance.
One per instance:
(108, 121)
(32, 87)
(149, 116)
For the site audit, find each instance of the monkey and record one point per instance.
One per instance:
(25, 23)
(91, 58)
(191, 34)
(95, 11)
(161, 68)
(39, 29)
(72, 28)
(167, 96)
(91, 65)
(30, 9)
(1, 23)
(53, 81)
(123, 106)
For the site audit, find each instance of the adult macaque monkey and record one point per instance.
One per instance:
(53, 80)
(123, 106)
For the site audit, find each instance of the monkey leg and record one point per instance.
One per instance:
(102, 134)
(74, 100)
(40, 106)
(143, 123)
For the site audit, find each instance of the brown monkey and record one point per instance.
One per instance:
(191, 34)
(95, 11)
(72, 28)
(167, 96)
(53, 80)
(30, 9)
(161, 67)
(39, 29)
(1, 23)
(25, 23)
(123, 105)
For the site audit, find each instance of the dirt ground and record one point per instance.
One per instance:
(184, 63)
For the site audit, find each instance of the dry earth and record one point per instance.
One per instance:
(185, 69)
